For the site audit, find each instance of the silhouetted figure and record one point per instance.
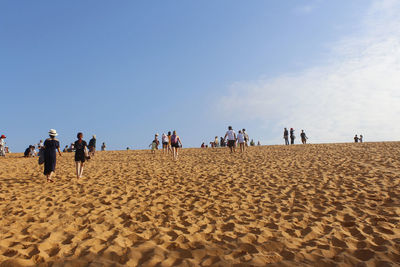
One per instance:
(292, 137)
(303, 137)
(356, 139)
(361, 138)
(286, 136)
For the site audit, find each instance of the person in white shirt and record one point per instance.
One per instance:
(2, 145)
(165, 143)
(231, 139)
(246, 137)
(40, 144)
(241, 141)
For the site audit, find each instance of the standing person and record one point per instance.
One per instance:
(51, 145)
(80, 154)
(92, 146)
(246, 137)
(103, 147)
(165, 143)
(231, 139)
(156, 141)
(356, 139)
(286, 136)
(252, 143)
(292, 137)
(175, 144)
(241, 140)
(216, 142)
(2, 145)
(303, 137)
(361, 138)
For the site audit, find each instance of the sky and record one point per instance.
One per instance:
(124, 70)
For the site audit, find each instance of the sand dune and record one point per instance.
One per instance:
(313, 205)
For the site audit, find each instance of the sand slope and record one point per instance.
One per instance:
(318, 205)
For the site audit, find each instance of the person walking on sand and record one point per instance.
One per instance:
(2, 145)
(303, 137)
(80, 154)
(175, 144)
(246, 137)
(286, 136)
(356, 139)
(50, 146)
(103, 147)
(169, 142)
(231, 139)
(361, 138)
(92, 146)
(241, 141)
(156, 140)
(165, 143)
(292, 137)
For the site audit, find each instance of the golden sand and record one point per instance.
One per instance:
(317, 205)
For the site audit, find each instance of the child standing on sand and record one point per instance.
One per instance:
(80, 154)
(175, 144)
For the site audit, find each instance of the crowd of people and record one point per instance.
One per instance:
(171, 143)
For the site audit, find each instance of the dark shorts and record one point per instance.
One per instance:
(231, 143)
(175, 145)
(165, 144)
(80, 157)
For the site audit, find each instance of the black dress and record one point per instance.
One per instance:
(80, 151)
(50, 155)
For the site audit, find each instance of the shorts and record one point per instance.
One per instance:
(175, 145)
(231, 143)
(165, 144)
(80, 157)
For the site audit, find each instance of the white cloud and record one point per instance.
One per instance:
(357, 91)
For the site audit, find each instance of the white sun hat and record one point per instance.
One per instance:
(53, 132)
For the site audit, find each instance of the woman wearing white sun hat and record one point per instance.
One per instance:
(51, 145)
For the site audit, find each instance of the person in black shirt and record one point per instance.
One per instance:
(80, 154)
(356, 139)
(286, 136)
(92, 146)
(292, 137)
(50, 146)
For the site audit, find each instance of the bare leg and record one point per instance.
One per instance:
(81, 170)
(78, 168)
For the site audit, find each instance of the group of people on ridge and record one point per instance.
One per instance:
(358, 139)
(290, 134)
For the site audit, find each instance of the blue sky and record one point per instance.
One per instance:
(124, 70)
